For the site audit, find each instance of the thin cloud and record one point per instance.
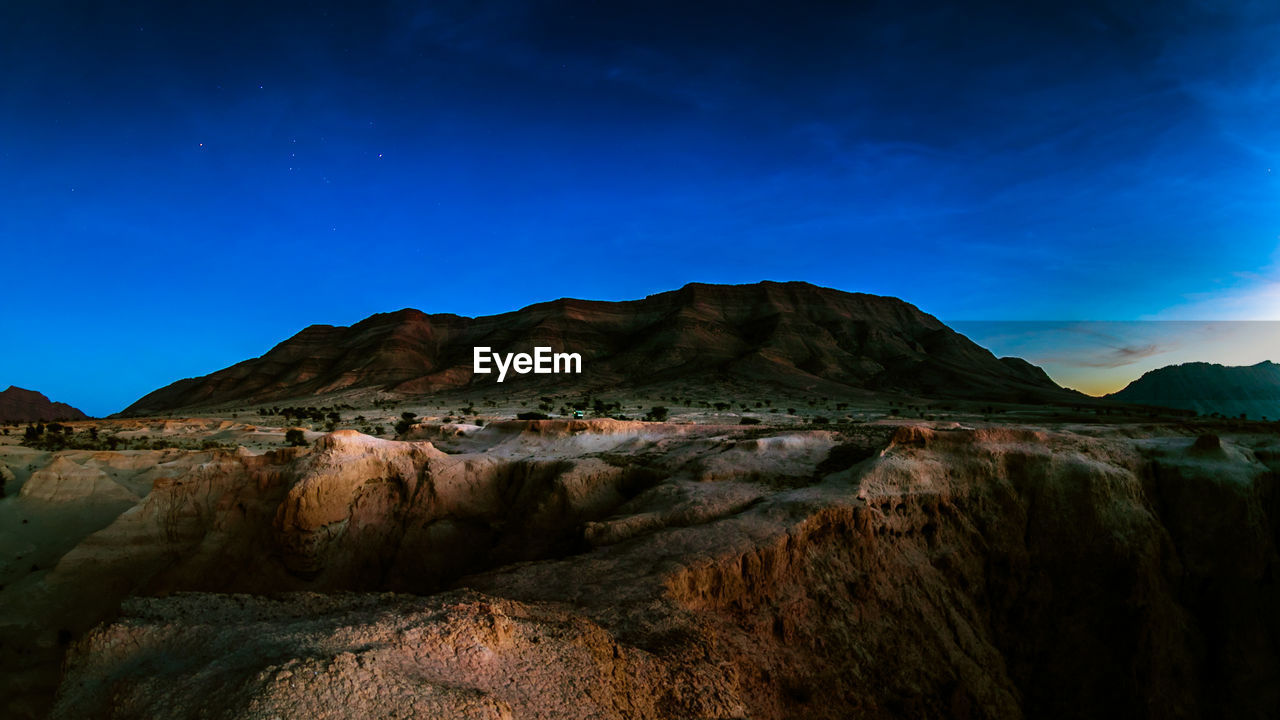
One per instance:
(1101, 345)
(1118, 357)
(1093, 348)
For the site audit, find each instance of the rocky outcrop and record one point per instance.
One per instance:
(6, 478)
(454, 655)
(878, 572)
(789, 335)
(64, 481)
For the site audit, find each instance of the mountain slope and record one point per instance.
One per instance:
(1207, 388)
(791, 335)
(19, 405)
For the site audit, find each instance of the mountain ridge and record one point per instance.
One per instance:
(22, 405)
(1207, 388)
(787, 334)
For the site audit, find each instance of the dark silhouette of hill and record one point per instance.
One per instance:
(1208, 388)
(781, 335)
(19, 405)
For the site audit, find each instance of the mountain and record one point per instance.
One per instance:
(1207, 388)
(18, 405)
(790, 335)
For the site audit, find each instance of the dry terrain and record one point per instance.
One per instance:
(889, 567)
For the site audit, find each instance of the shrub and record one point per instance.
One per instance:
(749, 421)
(295, 438)
(405, 422)
(657, 413)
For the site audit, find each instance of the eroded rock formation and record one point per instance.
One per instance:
(640, 570)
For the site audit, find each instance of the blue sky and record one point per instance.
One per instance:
(187, 184)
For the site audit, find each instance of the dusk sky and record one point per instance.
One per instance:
(187, 184)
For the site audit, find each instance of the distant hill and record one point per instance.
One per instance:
(792, 335)
(18, 405)
(1208, 388)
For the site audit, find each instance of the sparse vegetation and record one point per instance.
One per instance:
(41, 437)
